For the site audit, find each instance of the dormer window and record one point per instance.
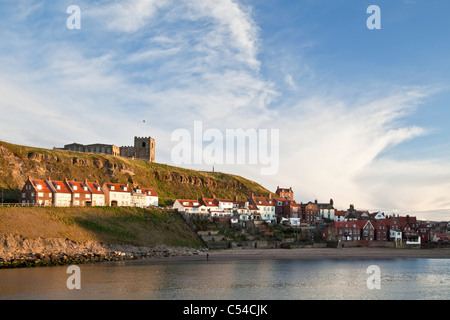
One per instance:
(74, 187)
(112, 188)
(58, 187)
(124, 188)
(85, 189)
(39, 187)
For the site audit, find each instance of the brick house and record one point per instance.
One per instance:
(310, 212)
(382, 230)
(368, 231)
(81, 195)
(423, 232)
(36, 192)
(285, 193)
(287, 209)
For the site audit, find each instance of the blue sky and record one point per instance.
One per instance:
(363, 114)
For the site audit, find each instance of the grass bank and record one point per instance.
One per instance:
(131, 226)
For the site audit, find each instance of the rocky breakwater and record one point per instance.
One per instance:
(16, 251)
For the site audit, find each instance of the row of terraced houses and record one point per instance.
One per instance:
(67, 193)
(337, 225)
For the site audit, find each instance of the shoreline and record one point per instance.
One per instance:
(313, 254)
(18, 252)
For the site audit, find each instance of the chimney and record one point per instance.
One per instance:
(235, 198)
(331, 202)
(213, 196)
(270, 195)
(352, 207)
(252, 195)
(315, 201)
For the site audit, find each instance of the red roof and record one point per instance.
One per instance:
(94, 187)
(355, 224)
(209, 202)
(149, 192)
(43, 185)
(263, 201)
(117, 187)
(60, 186)
(78, 187)
(189, 203)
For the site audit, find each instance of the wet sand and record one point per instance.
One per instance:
(316, 253)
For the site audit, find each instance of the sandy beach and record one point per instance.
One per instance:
(316, 253)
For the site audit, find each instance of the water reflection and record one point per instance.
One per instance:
(234, 280)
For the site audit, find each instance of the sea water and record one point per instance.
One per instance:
(234, 280)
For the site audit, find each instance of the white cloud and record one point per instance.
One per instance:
(199, 61)
(129, 15)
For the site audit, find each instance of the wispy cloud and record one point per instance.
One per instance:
(174, 62)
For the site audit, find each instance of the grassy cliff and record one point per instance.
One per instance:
(18, 162)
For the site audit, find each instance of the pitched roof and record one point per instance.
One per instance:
(59, 186)
(189, 203)
(263, 201)
(43, 185)
(209, 202)
(94, 187)
(78, 187)
(117, 187)
(149, 192)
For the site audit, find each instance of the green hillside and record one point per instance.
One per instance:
(18, 162)
(132, 226)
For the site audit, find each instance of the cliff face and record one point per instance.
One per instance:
(19, 162)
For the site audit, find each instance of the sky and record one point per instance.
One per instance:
(362, 114)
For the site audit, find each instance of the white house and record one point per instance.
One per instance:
(226, 205)
(266, 207)
(326, 210)
(144, 198)
(190, 207)
(97, 194)
(62, 196)
(211, 205)
(151, 197)
(117, 195)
